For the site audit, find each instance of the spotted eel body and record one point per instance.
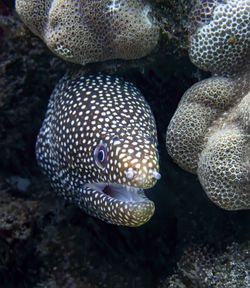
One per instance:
(98, 144)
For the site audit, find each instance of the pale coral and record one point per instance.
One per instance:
(91, 31)
(209, 135)
(219, 36)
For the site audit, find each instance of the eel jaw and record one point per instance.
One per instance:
(117, 204)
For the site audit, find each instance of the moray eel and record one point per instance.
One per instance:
(98, 145)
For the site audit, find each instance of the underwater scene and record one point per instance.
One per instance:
(124, 144)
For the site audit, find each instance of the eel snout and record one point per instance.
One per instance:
(118, 204)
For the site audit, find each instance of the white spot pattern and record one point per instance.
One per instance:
(82, 111)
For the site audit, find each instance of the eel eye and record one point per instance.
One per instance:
(101, 155)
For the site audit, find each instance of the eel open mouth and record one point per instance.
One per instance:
(120, 192)
(119, 204)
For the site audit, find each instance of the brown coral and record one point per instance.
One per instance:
(16, 217)
(92, 31)
(224, 163)
(203, 267)
(209, 135)
(219, 35)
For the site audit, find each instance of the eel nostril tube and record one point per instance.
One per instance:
(130, 173)
(156, 175)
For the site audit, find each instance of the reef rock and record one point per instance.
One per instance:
(201, 267)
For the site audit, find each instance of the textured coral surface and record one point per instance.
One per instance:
(201, 267)
(16, 217)
(209, 135)
(224, 163)
(92, 31)
(219, 35)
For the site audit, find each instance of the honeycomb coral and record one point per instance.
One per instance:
(90, 31)
(224, 164)
(204, 267)
(219, 36)
(209, 135)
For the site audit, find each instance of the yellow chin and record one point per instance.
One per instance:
(117, 204)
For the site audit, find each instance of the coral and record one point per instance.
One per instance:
(219, 36)
(209, 135)
(201, 267)
(16, 217)
(92, 31)
(224, 163)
